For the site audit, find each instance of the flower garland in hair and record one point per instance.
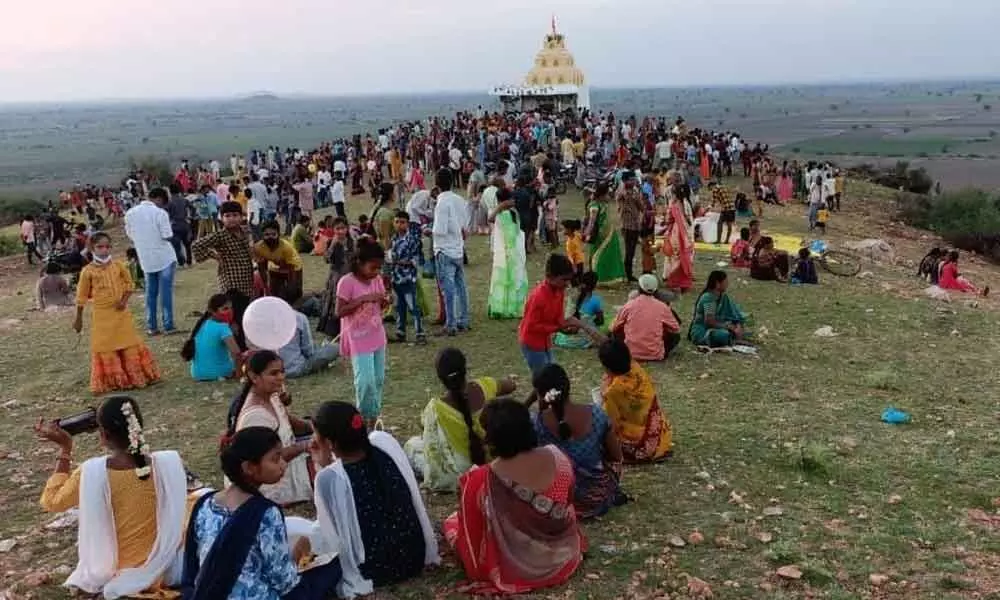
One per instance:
(551, 396)
(136, 440)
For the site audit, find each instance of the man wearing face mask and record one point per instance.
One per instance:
(631, 209)
(278, 263)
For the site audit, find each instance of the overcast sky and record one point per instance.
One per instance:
(62, 50)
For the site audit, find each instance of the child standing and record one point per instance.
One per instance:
(550, 211)
(134, 268)
(544, 314)
(119, 360)
(405, 255)
(361, 298)
(574, 245)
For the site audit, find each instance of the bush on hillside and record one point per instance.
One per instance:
(12, 209)
(898, 176)
(968, 219)
(159, 167)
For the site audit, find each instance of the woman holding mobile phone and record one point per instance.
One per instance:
(132, 503)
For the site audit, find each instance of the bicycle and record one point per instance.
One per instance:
(835, 262)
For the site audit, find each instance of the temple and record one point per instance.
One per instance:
(554, 83)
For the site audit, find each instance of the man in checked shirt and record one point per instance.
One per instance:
(631, 209)
(726, 206)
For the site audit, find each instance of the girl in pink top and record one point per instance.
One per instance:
(361, 298)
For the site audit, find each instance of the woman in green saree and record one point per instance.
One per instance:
(604, 240)
(509, 279)
(453, 433)
(718, 321)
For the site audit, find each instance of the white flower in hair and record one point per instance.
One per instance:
(551, 396)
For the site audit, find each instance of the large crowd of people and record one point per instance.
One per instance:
(526, 473)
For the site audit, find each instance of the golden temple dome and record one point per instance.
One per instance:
(554, 65)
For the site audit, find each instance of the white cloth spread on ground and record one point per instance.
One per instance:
(335, 498)
(96, 544)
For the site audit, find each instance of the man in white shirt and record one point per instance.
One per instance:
(455, 164)
(337, 194)
(450, 220)
(260, 198)
(420, 208)
(148, 226)
(339, 166)
(663, 154)
(323, 181)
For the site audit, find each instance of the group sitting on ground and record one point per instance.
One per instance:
(940, 268)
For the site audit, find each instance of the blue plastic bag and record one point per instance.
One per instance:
(894, 416)
(817, 247)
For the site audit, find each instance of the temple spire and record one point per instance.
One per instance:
(554, 25)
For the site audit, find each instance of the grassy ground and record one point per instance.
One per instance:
(779, 461)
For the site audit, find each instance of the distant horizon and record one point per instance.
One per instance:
(298, 95)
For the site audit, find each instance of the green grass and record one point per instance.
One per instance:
(857, 144)
(798, 429)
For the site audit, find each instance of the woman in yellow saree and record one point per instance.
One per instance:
(629, 399)
(452, 439)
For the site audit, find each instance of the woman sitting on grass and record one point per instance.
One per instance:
(516, 529)
(583, 431)
(212, 349)
(133, 504)
(237, 546)
(768, 263)
(718, 321)
(262, 403)
(368, 500)
(452, 441)
(629, 399)
(951, 279)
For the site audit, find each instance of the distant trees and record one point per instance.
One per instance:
(969, 219)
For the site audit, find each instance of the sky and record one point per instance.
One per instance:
(75, 50)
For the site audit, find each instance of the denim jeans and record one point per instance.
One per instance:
(182, 246)
(451, 276)
(160, 287)
(369, 380)
(537, 360)
(406, 302)
(813, 215)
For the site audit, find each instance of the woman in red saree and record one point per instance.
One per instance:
(705, 164)
(678, 247)
(516, 529)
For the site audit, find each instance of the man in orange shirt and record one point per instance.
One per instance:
(648, 325)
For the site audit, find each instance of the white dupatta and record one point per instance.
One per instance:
(97, 545)
(338, 517)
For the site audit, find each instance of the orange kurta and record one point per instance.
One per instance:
(119, 358)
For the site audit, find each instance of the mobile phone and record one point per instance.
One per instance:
(84, 422)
